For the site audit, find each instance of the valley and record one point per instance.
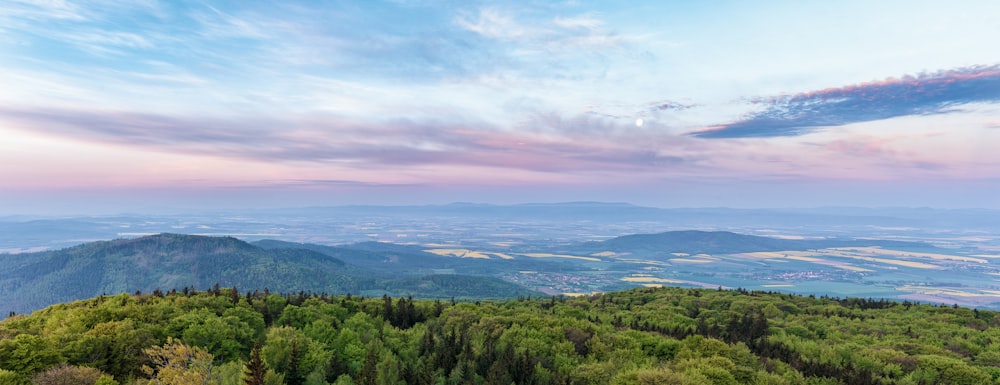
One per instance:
(551, 249)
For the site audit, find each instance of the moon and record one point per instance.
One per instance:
(638, 122)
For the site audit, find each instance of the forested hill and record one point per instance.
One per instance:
(640, 336)
(167, 262)
(721, 242)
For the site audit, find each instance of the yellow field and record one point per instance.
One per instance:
(605, 254)
(949, 291)
(690, 260)
(643, 278)
(917, 265)
(863, 253)
(461, 253)
(498, 255)
(853, 268)
(644, 262)
(911, 254)
(827, 263)
(779, 254)
(859, 253)
(547, 255)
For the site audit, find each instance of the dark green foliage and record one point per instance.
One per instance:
(294, 375)
(369, 373)
(666, 335)
(255, 369)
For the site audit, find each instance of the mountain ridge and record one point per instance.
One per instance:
(174, 261)
(721, 242)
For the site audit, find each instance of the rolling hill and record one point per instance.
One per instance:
(31, 281)
(720, 242)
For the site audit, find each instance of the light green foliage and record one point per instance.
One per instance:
(106, 380)
(274, 378)
(277, 352)
(114, 346)
(217, 335)
(8, 377)
(642, 336)
(658, 376)
(230, 373)
(388, 368)
(317, 377)
(27, 354)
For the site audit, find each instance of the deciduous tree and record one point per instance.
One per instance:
(175, 363)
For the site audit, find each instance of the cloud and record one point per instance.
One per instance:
(547, 143)
(588, 22)
(494, 23)
(924, 94)
(667, 105)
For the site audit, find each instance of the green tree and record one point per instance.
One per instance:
(293, 374)
(114, 346)
(230, 373)
(255, 370)
(27, 354)
(369, 369)
(8, 377)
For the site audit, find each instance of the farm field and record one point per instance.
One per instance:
(937, 277)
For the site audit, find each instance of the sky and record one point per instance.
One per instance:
(112, 106)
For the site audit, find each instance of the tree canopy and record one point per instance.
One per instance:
(640, 336)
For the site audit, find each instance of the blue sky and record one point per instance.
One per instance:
(124, 106)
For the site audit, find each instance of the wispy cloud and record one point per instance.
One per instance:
(494, 23)
(42, 10)
(311, 94)
(924, 94)
(548, 143)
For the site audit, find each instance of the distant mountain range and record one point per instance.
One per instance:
(544, 223)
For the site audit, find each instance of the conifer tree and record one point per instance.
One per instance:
(256, 369)
(294, 375)
(369, 371)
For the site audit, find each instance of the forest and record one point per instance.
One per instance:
(640, 336)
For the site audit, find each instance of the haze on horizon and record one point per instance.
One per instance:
(124, 106)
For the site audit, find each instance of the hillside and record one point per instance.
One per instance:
(721, 242)
(484, 269)
(173, 262)
(383, 257)
(640, 336)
